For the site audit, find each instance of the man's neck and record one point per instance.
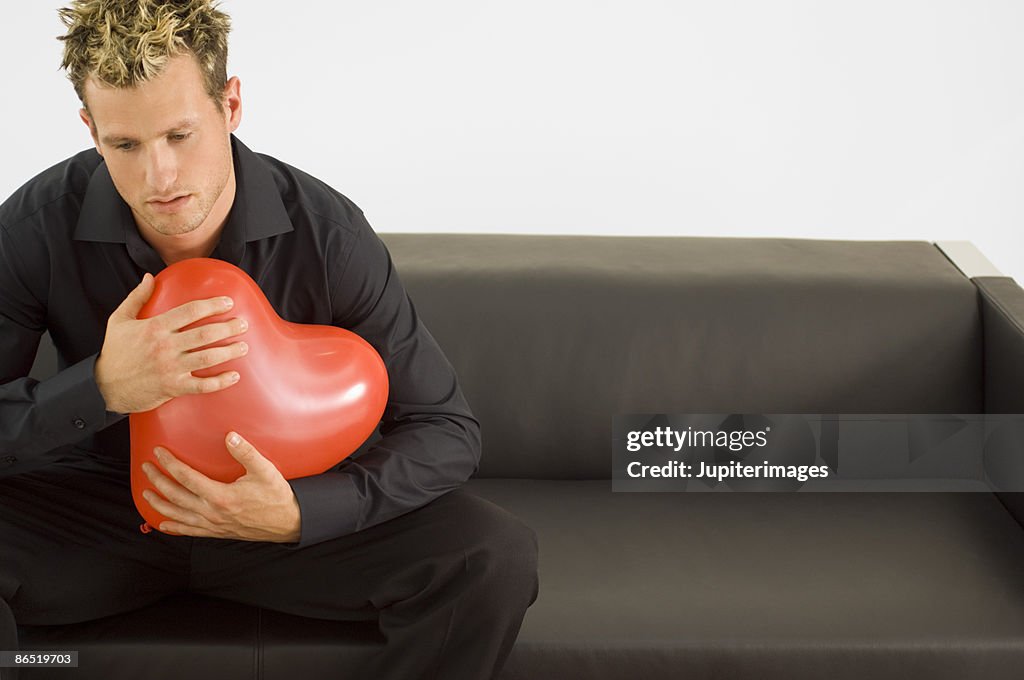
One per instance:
(171, 256)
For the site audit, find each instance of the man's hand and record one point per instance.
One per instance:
(258, 506)
(146, 362)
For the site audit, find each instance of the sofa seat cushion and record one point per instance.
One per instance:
(763, 585)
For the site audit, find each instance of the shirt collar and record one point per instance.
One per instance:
(257, 212)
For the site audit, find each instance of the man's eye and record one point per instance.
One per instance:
(182, 136)
(126, 146)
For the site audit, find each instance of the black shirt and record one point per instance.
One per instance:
(70, 252)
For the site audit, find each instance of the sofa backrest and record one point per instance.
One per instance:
(554, 335)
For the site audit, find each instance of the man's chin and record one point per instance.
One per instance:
(175, 227)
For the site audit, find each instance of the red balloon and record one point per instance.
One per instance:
(308, 395)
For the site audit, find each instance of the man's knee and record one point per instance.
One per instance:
(503, 552)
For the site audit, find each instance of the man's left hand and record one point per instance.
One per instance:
(258, 506)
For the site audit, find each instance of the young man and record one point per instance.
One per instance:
(450, 575)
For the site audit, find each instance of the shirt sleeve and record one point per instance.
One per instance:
(37, 418)
(430, 441)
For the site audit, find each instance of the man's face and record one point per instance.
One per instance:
(167, 145)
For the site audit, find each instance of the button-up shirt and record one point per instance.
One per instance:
(70, 252)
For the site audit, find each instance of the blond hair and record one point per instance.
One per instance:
(123, 43)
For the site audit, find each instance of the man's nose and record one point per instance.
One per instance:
(161, 168)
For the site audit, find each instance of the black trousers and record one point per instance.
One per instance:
(451, 581)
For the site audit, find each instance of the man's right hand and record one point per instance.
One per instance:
(146, 362)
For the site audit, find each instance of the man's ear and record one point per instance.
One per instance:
(232, 103)
(83, 113)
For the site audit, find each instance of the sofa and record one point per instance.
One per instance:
(552, 337)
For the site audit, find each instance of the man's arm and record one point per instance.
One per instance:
(430, 440)
(37, 417)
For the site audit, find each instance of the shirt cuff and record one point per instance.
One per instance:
(70, 404)
(329, 507)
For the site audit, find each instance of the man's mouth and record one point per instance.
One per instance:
(169, 204)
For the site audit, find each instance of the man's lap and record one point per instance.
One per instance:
(73, 549)
(77, 553)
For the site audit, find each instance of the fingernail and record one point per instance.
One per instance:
(244, 347)
(234, 377)
(244, 325)
(234, 439)
(159, 453)
(227, 302)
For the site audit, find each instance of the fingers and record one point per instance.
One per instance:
(252, 460)
(183, 521)
(190, 312)
(173, 500)
(173, 510)
(194, 385)
(214, 356)
(132, 305)
(185, 485)
(210, 333)
(185, 382)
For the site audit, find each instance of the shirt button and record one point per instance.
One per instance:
(79, 423)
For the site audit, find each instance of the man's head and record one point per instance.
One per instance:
(151, 75)
(122, 43)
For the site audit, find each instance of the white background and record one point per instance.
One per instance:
(895, 119)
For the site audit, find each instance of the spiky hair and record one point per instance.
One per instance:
(123, 43)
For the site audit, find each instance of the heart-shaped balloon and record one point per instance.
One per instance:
(308, 395)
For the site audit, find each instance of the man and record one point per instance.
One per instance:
(449, 574)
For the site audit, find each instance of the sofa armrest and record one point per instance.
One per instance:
(1002, 318)
(1001, 303)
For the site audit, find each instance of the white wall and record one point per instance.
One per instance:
(895, 119)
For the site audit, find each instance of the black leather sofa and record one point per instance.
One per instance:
(554, 335)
